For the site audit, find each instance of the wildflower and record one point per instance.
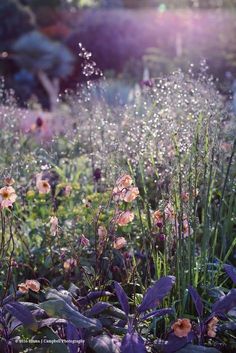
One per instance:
(169, 212)
(124, 182)
(33, 285)
(187, 230)
(53, 225)
(22, 287)
(8, 181)
(7, 196)
(29, 284)
(124, 218)
(67, 191)
(212, 326)
(158, 218)
(119, 243)
(182, 327)
(131, 194)
(70, 264)
(84, 242)
(185, 196)
(43, 186)
(102, 233)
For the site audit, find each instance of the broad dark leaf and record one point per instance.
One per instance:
(156, 293)
(190, 348)
(226, 303)
(59, 308)
(103, 344)
(174, 343)
(196, 299)
(123, 299)
(133, 343)
(21, 313)
(157, 313)
(97, 309)
(72, 335)
(231, 272)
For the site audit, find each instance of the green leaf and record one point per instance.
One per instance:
(50, 342)
(60, 309)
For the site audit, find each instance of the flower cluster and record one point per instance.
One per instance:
(29, 284)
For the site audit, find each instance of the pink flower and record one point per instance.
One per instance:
(43, 186)
(84, 242)
(123, 218)
(124, 182)
(7, 196)
(131, 194)
(69, 264)
(182, 327)
(102, 233)
(53, 225)
(212, 326)
(158, 218)
(29, 284)
(169, 212)
(68, 189)
(119, 243)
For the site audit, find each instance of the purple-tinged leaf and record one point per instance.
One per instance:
(156, 293)
(231, 272)
(225, 303)
(93, 296)
(104, 344)
(174, 343)
(196, 299)
(158, 313)
(133, 343)
(20, 312)
(51, 322)
(98, 308)
(123, 299)
(72, 335)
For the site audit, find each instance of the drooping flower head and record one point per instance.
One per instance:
(123, 218)
(53, 225)
(119, 243)
(182, 327)
(212, 327)
(124, 182)
(7, 196)
(84, 242)
(29, 284)
(42, 185)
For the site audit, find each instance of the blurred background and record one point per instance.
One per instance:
(129, 40)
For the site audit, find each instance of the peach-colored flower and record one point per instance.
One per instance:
(119, 243)
(158, 218)
(9, 181)
(33, 285)
(29, 284)
(131, 194)
(212, 326)
(123, 218)
(70, 264)
(187, 230)
(182, 327)
(102, 233)
(124, 182)
(53, 225)
(84, 242)
(22, 287)
(43, 186)
(169, 212)
(68, 189)
(185, 196)
(7, 196)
